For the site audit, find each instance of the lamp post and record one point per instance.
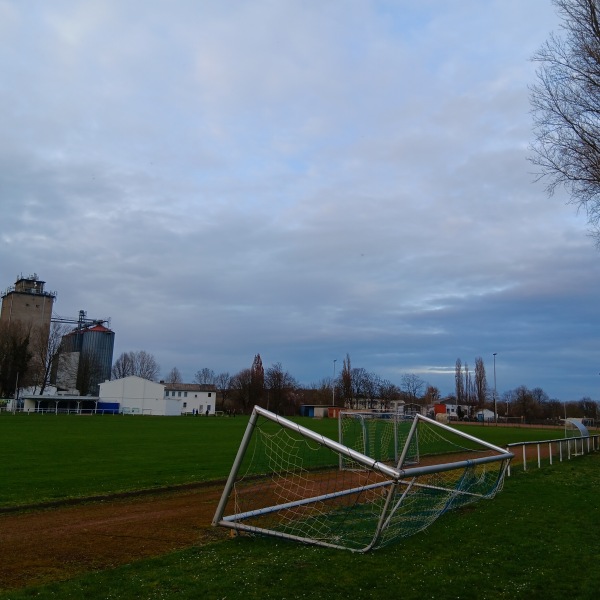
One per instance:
(333, 381)
(495, 411)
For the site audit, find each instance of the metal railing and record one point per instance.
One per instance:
(561, 448)
(59, 411)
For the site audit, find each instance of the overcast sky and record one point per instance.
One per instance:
(300, 179)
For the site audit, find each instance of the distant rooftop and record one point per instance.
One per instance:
(189, 387)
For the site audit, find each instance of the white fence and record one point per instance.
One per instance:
(560, 449)
(59, 411)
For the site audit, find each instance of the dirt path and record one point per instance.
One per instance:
(58, 543)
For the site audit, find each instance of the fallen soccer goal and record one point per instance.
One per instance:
(291, 482)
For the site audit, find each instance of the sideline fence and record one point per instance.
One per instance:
(61, 411)
(561, 448)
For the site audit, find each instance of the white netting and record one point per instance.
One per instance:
(288, 482)
(381, 436)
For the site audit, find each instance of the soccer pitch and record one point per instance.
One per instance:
(47, 458)
(520, 545)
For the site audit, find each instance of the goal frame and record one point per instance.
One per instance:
(393, 476)
(386, 418)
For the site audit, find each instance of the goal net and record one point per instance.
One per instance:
(291, 482)
(380, 435)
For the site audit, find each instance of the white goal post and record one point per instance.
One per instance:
(291, 482)
(380, 435)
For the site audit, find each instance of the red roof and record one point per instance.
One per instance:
(98, 328)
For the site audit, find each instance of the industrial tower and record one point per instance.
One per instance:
(29, 303)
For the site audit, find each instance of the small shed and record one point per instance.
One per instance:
(317, 411)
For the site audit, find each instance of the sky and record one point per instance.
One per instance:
(307, 180)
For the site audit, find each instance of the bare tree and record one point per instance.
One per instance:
(205, 376)
(140, 363)
(321, 392)
(469, 387)
(371, 388)
(222, 382)
(432, 395)
(554, 410)
(241, 383)
(257, 380)
(539, 395)
(526, 405)
(388, 392)
(480, 382)
(47, 347)
(174, 376)
(359, 386)
(459, 382)
(15, 357)
(413, 385)
(588, 408)
(566, 107)
(145, 366)
(280, 387)
(347, 387)
(123, 366)
(508, 398)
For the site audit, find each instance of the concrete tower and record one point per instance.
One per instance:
(28, 302)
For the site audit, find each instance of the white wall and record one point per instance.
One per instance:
(195, 401)
(140, 396)
(136, 395)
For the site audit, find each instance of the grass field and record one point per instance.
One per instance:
(537, 539)
(46, 458)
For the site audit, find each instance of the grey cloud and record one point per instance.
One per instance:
(302, 181)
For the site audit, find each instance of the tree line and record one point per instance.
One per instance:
(276, 389)
(29, 358)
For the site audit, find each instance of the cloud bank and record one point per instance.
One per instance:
(299, 180)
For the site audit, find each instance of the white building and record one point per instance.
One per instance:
(485, 415)
(195, 398)
(135, 395)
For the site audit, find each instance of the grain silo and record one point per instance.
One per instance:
(86, 357)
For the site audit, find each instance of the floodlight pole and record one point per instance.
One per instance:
(495, 410)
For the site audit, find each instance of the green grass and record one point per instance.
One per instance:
(46, 458)
(508, 435)
(538, 539)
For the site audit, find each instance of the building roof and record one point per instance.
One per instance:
(190, 387)
(97, 327)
